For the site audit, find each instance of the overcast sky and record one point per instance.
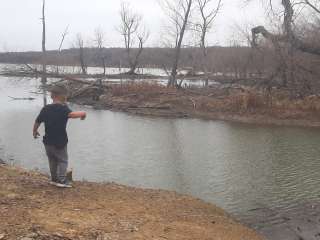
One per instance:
(20, 25)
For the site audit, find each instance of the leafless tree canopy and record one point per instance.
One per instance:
(208, 10)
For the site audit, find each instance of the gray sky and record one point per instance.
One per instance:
(20, 25)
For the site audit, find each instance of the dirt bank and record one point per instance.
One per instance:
(32, 209)
(238, 105)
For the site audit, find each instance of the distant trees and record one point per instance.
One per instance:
(132, 30)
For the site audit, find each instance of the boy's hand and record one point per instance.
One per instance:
(84, 116)
(81, 115)
(36, 134)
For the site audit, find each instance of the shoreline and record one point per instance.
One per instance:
(257, 119)
(242, 105)
(33, 209)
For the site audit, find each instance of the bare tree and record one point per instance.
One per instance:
(80, 46)
(208, 9)
(64, 34)
(132, 30)
(178, 12)
(44, 53)
(312, 5)
(99, 42)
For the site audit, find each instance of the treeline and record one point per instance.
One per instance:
(237, 61)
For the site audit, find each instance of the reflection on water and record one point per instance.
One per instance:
(236, 166)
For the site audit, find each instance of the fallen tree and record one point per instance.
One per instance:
(288, 36)
(295, 54)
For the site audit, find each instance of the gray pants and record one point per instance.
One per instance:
(58, 162)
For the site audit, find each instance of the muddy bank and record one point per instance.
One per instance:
(31, 208)
(235, 105)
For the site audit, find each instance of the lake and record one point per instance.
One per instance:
(238, 167)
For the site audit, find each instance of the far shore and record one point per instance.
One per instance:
(241, 106)
(243, 118)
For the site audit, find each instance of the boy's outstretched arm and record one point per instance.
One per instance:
(36, 126)
(81, 115)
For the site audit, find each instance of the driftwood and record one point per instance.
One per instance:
(85, 89)
(18, 98)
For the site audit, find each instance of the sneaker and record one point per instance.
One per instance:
(53, 183)
(64, 185)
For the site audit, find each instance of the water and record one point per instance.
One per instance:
(99, 70)
(236, 166)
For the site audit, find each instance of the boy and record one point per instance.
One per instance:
(55, 117)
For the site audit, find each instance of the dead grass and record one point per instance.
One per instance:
(145, 88)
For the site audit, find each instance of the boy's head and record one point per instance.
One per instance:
(59, 92)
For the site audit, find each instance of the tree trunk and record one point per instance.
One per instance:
(173, 78)
(44, 57)
(104, 66)
(82, 63)
(134, 64)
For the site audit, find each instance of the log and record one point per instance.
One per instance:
(17, 98)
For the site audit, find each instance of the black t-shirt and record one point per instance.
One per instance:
(55, 118)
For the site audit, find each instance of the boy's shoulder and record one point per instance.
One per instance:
(56, 107)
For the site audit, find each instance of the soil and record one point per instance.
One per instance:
(30, 208)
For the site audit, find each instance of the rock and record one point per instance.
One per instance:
(32, 235)
(2, 236)
(13, 196)
(26, 238)
(108, 236)
(58, 235)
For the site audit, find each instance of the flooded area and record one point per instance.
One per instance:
(160, 76)
(238, 167)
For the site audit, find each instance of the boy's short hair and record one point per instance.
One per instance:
(59, 90)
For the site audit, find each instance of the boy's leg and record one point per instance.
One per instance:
(53, 162)
(62, 156)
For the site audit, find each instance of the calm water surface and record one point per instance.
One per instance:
(238, 167)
